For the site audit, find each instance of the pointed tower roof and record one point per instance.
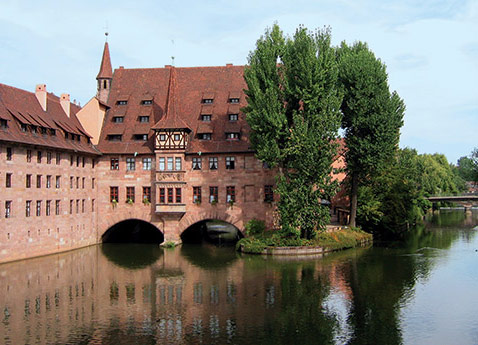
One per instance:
(106, 71)
(171, 119)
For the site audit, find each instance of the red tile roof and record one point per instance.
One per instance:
(106, 72)
(21, 107)
(177, 103)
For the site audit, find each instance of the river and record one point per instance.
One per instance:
(422, 290)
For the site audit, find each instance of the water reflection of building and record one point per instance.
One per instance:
(83, 295)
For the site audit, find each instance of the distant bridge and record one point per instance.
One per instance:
(467, 200)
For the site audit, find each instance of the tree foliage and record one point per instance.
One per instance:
(468, 167)
(372, 116)
(294, 114)
(397, 196)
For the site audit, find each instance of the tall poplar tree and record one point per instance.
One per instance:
(372, 116)
(294, 113)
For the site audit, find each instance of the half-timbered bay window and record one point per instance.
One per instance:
(197, 163)
(129, 194)
(171, 139)
(196, 195)
(130, 164)
(230, 163)
(146, 194)
(230, 194)
(114, 197)
(212, 163)
(213, 194)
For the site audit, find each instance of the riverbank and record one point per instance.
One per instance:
(333, 239)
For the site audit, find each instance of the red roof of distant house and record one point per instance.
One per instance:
(22, 107)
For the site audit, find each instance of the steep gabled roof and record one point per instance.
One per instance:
(177, 104)
(106, 72)
(21, 107)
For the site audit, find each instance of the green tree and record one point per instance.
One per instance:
(372, 116)
(468, 167)
(294, 114)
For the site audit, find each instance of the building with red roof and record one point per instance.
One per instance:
(166, 147)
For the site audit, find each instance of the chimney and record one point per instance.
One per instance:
(65, 103)
(40, 93)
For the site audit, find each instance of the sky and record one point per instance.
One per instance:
(430, 48)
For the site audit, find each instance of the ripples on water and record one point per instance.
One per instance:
(422, 291)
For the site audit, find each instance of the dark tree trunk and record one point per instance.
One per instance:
(353, 199)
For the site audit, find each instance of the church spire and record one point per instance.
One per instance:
(105, 75)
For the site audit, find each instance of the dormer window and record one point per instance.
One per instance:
(233, 117)
(206, 118)
(232, 135)
(118, 119)
(143, 137)
(204, 136)
(146, 102)
(66, 135)
(52, 132)
(143, 119)
(24, 127)
(115, 137)
(123, 102)
(43, 130)
(3, 124)
(233, 100)
(207, 100)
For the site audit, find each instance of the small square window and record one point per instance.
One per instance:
(230, 163)
(197, 163)
(162, 137)
(177, 137)
(233, 117)
(213, 163)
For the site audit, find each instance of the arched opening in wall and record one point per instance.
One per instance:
(133, 231)
(212, 231)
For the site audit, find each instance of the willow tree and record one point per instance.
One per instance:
(372, 116)
(294, 114)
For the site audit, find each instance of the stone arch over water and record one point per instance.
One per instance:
(132, 230)
(218, 228)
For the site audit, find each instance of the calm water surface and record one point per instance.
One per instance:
(423, 290)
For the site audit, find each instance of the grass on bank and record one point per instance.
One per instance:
(339, 239)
